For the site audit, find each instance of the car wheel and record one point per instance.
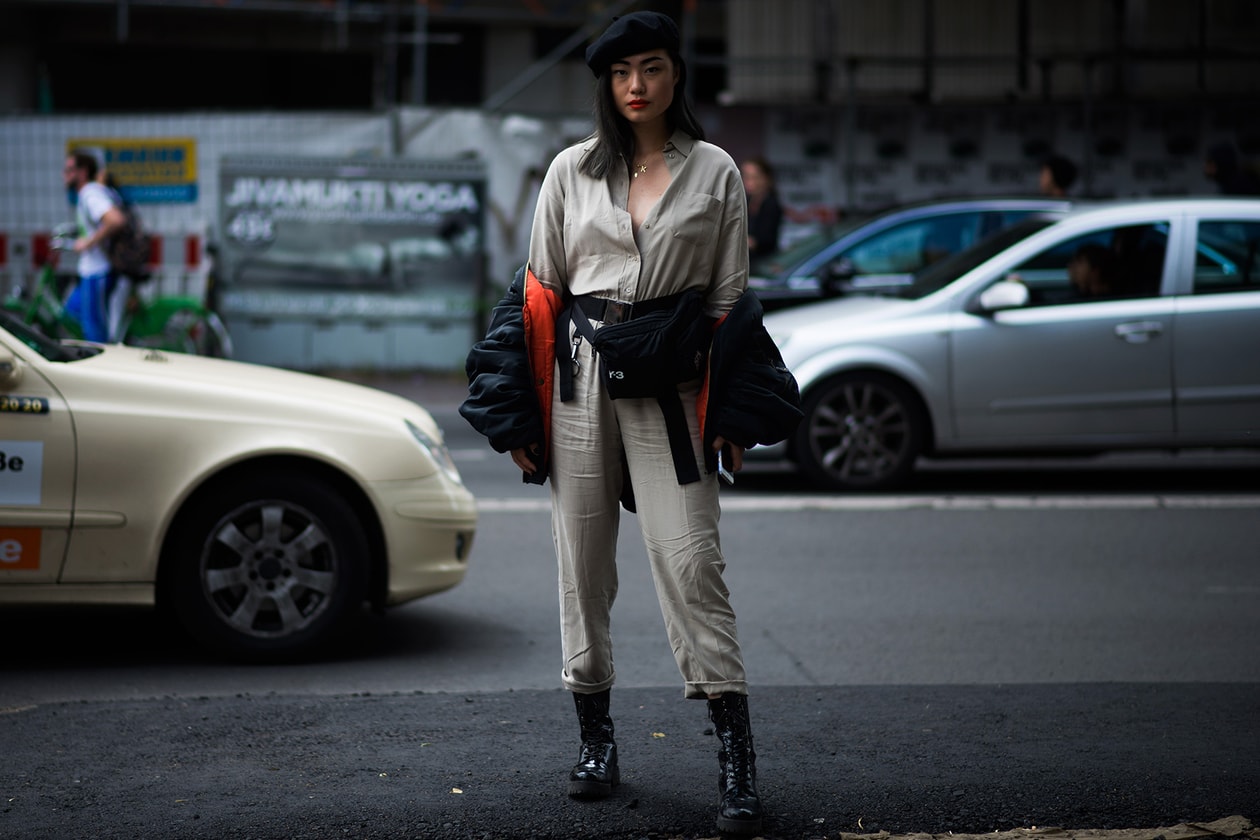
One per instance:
(270, 569)
(861, 431)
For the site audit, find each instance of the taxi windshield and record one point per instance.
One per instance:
(53, 351)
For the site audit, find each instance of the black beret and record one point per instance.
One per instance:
(632, 34)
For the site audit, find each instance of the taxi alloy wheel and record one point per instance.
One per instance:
(272, 569)
(861, 431)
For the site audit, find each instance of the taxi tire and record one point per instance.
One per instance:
(300, 593)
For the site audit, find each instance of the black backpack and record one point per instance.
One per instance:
(129, 250)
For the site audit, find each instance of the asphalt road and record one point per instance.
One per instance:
(1059, 647)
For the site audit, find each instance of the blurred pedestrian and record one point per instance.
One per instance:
(119, 299)
(644, 218)
(765, 213)
(1231, 175)
(98, 217)
(1057, 175)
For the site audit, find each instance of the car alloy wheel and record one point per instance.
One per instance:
(271, 569)
(861, 431)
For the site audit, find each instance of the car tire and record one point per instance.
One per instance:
(270, 569)
(861, 431)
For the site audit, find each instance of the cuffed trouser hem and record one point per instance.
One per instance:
(701, 691)
(585, 688)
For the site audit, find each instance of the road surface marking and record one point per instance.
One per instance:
(793, 504)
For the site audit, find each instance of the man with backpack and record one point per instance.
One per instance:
(99, 217)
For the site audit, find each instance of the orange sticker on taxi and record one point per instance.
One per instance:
(19, 548)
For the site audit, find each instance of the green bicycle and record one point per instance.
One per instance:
(178, 323)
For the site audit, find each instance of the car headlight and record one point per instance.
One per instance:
(437, 451)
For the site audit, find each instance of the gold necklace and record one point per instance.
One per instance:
(640, 169)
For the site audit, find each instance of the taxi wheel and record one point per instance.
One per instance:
(270, 569)
(861, 431)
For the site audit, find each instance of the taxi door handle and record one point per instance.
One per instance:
(1139, 332)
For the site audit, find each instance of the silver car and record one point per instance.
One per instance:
(1122, 326)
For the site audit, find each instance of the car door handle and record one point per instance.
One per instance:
(1138, 332)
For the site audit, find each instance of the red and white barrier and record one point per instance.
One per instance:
(177, 261)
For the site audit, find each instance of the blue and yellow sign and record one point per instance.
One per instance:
(149, 170)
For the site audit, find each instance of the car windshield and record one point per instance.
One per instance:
(936, 276)
(772, 265)
(53, 351)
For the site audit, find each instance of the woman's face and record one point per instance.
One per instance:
(755, 180)
(643, 86)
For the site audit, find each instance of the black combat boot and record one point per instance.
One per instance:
(740, 811)
(596, 772)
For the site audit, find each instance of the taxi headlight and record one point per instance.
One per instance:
(437, 451)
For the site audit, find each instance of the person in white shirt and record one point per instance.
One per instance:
(99, 217)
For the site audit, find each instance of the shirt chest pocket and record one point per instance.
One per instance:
(692, 218)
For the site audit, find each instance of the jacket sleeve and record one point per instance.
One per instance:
(502, 403)
(753, 397)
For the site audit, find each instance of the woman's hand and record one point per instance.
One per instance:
(524, 458)
(737, 453)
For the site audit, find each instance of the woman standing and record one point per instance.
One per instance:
(630, 222)
(765, 213)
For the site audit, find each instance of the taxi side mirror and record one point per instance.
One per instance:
(10, 371)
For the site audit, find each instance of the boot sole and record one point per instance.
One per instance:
(729, 826)
(590, 790)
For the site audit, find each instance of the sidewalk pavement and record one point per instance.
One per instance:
(1100, 762)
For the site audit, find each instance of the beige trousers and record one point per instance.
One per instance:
(679, 524)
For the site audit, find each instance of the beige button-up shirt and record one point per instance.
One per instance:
(696, 236)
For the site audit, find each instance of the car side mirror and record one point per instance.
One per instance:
(1009, 294)
(10, 371)
(836, 276)
(841, 270)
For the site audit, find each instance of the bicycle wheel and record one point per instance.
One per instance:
(218, 342)
(190, 330)
(181, 332)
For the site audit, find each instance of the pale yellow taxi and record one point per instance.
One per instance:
(261, 507)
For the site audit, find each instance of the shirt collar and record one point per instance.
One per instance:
(682, 142)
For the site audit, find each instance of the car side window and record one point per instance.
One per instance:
(1227, 257)
(1109, 264)
(907, 247)
(1002, 219)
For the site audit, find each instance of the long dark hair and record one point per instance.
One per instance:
(614, 140)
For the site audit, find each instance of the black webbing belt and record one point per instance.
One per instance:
(615, 311)
(583, 309)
